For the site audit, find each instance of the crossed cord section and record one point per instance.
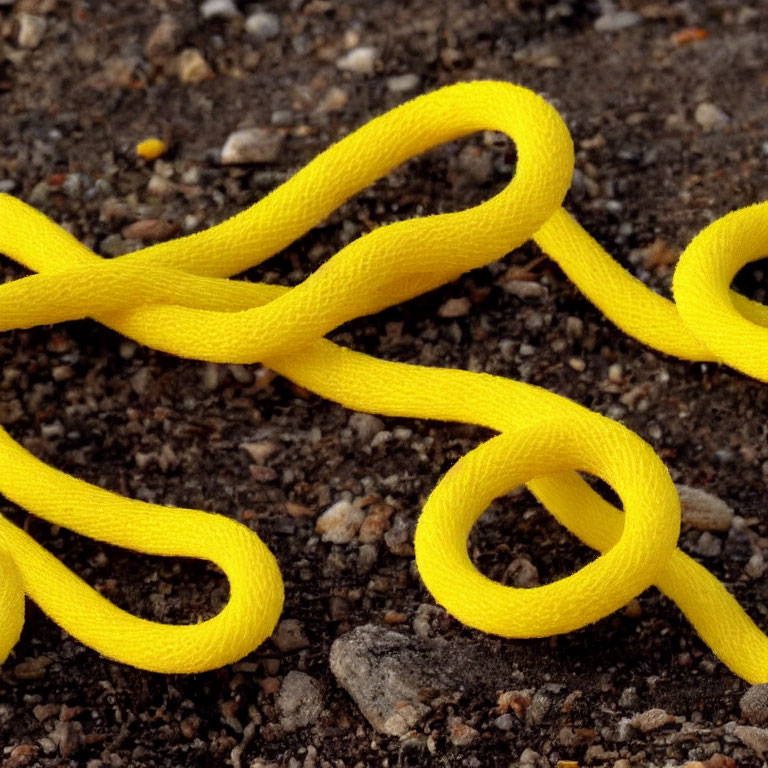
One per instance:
(176, 297)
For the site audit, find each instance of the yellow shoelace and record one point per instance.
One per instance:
(175, 297)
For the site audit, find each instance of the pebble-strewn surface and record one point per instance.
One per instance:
(667, 105)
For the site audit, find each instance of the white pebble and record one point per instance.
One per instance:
(340, 523)
(31, 30)
(756, 566)
(263, 25)
(403, 83)
(221, 9)
(710, 117)
(251, 145)
(360, 60)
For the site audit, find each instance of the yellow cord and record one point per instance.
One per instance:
(174, 297)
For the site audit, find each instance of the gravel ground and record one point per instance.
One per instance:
(667, 106)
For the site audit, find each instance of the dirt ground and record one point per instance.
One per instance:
(80, 88)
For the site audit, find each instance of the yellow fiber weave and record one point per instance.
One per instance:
(175, 297)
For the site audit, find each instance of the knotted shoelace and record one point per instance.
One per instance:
(175, 297)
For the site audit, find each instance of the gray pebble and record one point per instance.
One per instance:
(613, 21)
(629, 698)
(504, 722)
(300, 701)
(708, 545)
(289, 636)
(385, 675)
(754, 704)
(403, 83)
(366, 425)
(219, 9)
(755, 738)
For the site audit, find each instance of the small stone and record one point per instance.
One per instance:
(335, 100)
(300, 701)
(340, 523)
(45, 711)
(270, 685)
(31, 30)
(114, 245)
(165, 38)
(289, 636)
(366, 425)
(150, 230)
(754, 704)
(76, 184)
(521, 572)
(461, 734)
(504, 722)
(702, 510)
(708, 545)
(192, 67)
(382, 673)
(403, 83)
(525, 289)
(537, 711)
(754, 738)
(367, 556)
(158, 186)
(251, 145)
(62, 372)
(756, 566)
(263, 25)
(67, 737)
(710, 117)
(613, 21)
(651, 720)
(32, 668)
(574, 327)
(219, 9)
(189, 727)
(455, 308)
(259, 451)
(399, 538)
(21, 756)
(629, 698)
(517, 701)
(298, 510)
(530, 758)
(359, 60)
(140, 381)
